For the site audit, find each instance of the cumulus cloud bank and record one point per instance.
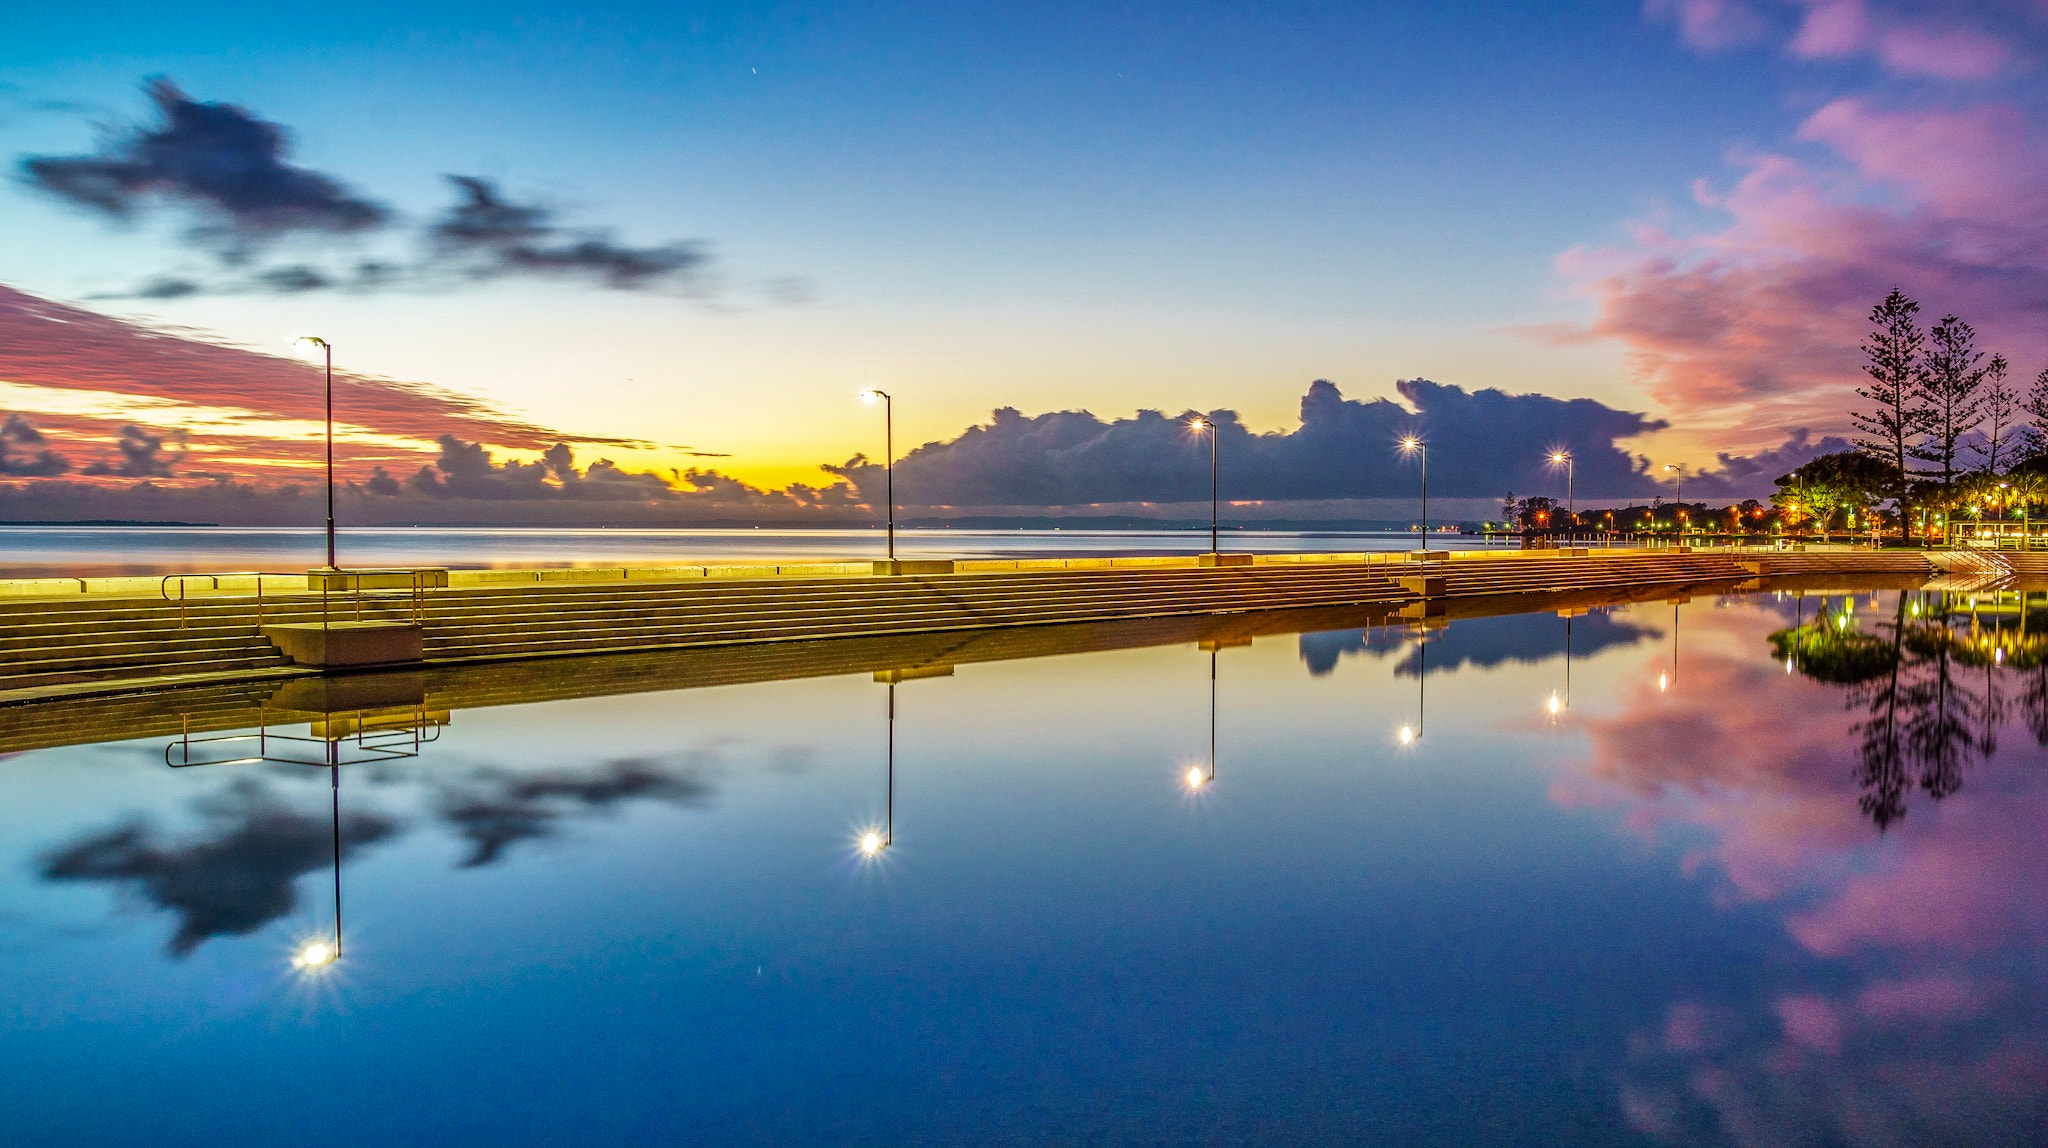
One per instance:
(1481, 444)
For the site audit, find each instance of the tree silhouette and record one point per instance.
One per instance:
(1897, 415)
(1948, 386)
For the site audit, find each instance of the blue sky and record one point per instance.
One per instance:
(1048, 206)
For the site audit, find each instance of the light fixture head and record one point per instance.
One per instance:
(1411, 443)
(313, 339)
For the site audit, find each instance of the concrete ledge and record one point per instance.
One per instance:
(347, 645)
(324, 695)
(912, 673)
(913, 566)
(336, 580)
(1426, 585)
(1224, 560)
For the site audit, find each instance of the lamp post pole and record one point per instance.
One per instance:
(1199, 425)
(1571, 502)
(888, 458)
(328, 349)
(1214, 516)
(1415, 446)
(1678, 511)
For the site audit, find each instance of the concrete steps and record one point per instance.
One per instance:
(47, 643)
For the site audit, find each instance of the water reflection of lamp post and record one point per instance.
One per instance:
(873, 842)
(888, 457)
(1664, 682)
(319, 954)
(1409, 735)
(1415, 446)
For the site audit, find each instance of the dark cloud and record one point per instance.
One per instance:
(486, 236)
(1741, 476)
(214, 158)
(233, 877)
(1481, 642)
(466, 470)
(24, 453)
(1481, 444)
(142, 456)
(497, 810)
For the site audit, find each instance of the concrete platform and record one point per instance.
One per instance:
(348, 645)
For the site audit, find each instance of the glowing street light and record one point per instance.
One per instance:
(1415, 446)
(1407, 735)
(1555, 705)
(316, 955)
(328, 349)
(1678, 511)
(870, 843)
(1200, 425)
(873, 394)
(1563, 458)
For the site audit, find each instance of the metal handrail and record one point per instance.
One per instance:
(164, 587)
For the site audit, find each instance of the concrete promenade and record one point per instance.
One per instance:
(73, 638)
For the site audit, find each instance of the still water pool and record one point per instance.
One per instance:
(1755, 869)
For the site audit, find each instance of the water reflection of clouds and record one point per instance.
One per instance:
(1918, 1020)
(237, 873)
(496, 809)
(237, 870)
(1482, 642)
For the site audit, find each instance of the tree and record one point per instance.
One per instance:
(1949, 386)
(2002, 431)
(1897, 417)
(2036, 407)
(1849, 478)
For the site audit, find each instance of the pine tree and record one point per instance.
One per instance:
(1897, 418)
(2036, 407)
(2002, 434)
(1949, 386)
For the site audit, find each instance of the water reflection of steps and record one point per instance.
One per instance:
(83, 645)
(451, 687)
(1969, 571)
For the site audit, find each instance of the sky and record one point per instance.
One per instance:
(686, 236)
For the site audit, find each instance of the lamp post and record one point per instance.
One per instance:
(1571, 502)
(888, 457)
(1200, 425)
(328, 349)
(1415, 446)
(1678, 511)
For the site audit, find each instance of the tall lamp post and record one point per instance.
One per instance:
(888, 457)
(328, 348)
(1415, 446)
(1200, 425)
(1564, 458)
(1678, 511)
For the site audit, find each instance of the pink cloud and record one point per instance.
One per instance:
(1756, 326)
(1838, 29)
(1711, 25)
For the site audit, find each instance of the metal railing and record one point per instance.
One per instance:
(399, 735)
(164, 587)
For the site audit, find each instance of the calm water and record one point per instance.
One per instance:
(27, 551)
(1707, 896)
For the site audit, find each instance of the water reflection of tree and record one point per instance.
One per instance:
(1927, 713)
